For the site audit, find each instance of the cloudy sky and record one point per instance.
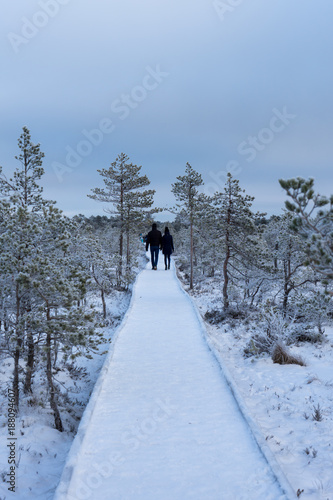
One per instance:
(240, 85)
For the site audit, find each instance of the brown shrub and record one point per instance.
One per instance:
(281, 356)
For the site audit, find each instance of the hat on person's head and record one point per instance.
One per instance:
(166, 230)
(154, 226)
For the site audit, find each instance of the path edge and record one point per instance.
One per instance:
(61, 491)
(257, 434)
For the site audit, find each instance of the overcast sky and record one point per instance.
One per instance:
(225, 85)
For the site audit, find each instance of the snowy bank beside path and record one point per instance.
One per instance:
(289, 407)
(162, 422)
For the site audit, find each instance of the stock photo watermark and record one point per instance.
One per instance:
(121, 107)
(131, 439)
(11, 441)
(222, 8)
(30, 28)
(250, 148)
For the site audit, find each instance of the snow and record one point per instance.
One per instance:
(41, 450)
(162, 422)
(280, 401)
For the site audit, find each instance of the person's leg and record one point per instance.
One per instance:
(169, 261)
(156, 255)
(152, 256)
(165, 261)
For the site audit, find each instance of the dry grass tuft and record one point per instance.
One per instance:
(281, 356)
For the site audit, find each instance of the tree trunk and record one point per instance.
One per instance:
(127, 247)
(226, 280)
(191, 257)
(55, 351)
(121, 245)
(16, 375)
(121, 237)
(285, 300)
(246, 288)
(256, 291)
(103, 302)
(226, 262)
(31, 355)
(30, 364)
(286, 288)
(17, 354)
(275, 258)
(53, 397)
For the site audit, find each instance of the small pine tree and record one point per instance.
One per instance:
(288, 252)
(190, 203)
(236, 224)
(124, 190)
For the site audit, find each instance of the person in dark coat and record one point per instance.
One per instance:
(154, 239)
(167, 247)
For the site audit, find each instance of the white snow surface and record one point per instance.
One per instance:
(162, 422)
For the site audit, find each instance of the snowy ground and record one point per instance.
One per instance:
(162, 423)
(284, 400)
(41, 450)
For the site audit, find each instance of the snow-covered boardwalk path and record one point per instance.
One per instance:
(162, 423)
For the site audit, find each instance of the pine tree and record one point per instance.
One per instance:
(205, 245)
(287, 249)
(20, 244)
(124, 189)
(236, 224)
(60, 323)
(42, 280)
(99, 261)
(190, 203)
(313, 220)
(314, 308)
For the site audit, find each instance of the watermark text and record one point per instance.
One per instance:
(11, 441)
(39, 20)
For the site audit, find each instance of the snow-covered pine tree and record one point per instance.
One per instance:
(124, 190)
(190, 203)
(42, 280)
(61, 325)
(313, 220)
(205, 245)
(287, 249)
(181, 234)
(313, 309)
(20, 246)
(138, 207)
(235, 230)
(97, 257)
(256, 269)
(6, 284)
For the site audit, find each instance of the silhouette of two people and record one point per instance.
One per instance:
(156, 242)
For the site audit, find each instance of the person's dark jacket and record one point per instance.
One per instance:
(154, 239)
(167, 244)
